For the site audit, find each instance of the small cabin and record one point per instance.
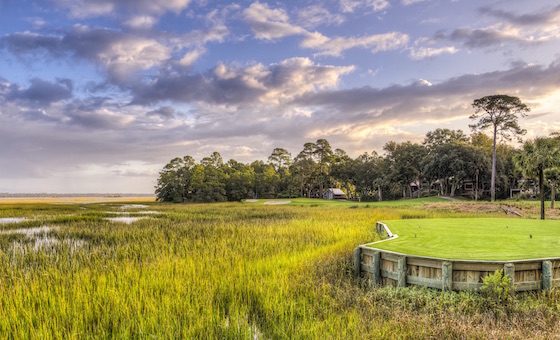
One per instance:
(334, 194)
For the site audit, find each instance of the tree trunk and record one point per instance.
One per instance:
(321, 187)
(541, 189)
(493, 183)
(302, 185)
(453, 189)
(379, 194)
(553, 195)
(476, 190)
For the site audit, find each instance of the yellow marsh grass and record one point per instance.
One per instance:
(230, 271)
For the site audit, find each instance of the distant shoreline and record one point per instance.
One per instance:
(76, 198)
(50, 195)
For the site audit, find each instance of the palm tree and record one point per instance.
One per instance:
(553, 178)
(538, 155)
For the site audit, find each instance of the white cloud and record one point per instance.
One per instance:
(411, 2)
(349, 6)
(336, 46)
(141, 22)
(93, 8)
(313, 16)
(238, 86)
(268, 23)
(192, 56)
(511, 29)
(429, 52)
(124, 57)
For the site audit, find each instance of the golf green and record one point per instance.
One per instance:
(474, 238)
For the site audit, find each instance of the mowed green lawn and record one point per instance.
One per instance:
(475, 238)
(343, 203)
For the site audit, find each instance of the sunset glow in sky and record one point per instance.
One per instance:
(98, 95)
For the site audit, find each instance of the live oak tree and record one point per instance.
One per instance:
(499, 112)
(405, 163)
(452, 162)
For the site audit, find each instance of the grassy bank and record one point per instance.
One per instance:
(232, 270)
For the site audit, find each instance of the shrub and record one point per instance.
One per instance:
(497, 287)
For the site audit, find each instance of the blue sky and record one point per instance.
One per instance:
(98, 95)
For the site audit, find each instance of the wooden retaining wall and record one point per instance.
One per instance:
(384, 267)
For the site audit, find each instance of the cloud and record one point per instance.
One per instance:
(429, 52)
(337, 45)
(94, 8)
(233, 85)
(164, 112)
(140, 22)
(24, 43)
(491, 36)
(313, 16)
(420, 102)
(120, 54)
(349, 6)
(42, 93)
(547, 17)
(522, 30)
(269, 24)
(410, 2)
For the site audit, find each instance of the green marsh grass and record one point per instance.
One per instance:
(229, 270)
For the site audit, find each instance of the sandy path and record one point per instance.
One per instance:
(277, 202)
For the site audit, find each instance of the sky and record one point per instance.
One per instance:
(96, 96)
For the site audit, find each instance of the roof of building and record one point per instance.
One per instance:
(337, 191)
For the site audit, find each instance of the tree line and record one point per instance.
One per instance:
(447, 162)
(441, 164)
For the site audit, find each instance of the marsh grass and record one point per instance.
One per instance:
(229, 271)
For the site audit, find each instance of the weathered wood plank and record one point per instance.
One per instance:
(366, 268)
(390, 275)
(415, 261)
(367, 259)
(509, 271)
(526, 275)
(420, 281)
(388, 265)
(519, 267)
(474, 276)
(389, 257)
(481, 267)
(447, 276)
(412, 270)
(376, 275)
(357, 262)
(367, 251)
(466, 285)
(402, 271)
(546, 275)
(527, 286)
(389, 282)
